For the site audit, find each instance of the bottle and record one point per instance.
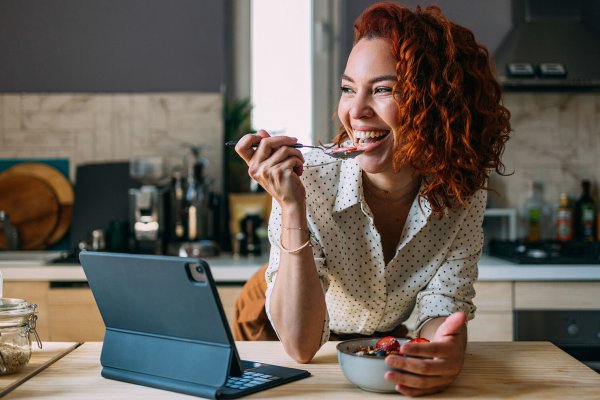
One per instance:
(564, 219)
(584, 224)
(196, 198)
(534, 210)
(178, 203)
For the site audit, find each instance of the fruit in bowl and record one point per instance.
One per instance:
(362, 361)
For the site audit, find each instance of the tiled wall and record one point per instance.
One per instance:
(108, 127)
(556, 139)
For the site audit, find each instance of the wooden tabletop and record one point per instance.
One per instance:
(40, 359)
(519, 370)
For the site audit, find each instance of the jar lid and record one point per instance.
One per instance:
(12, 310)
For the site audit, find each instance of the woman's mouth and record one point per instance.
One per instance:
(364, 138)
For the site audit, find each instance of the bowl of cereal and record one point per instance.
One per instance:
(362, 361)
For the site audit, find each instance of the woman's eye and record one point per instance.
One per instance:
(383, 89)
(346, 89)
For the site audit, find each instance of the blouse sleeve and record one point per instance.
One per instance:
(274, 259)
(451, 288)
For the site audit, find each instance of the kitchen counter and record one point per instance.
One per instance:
(34, 266)
(521, 370)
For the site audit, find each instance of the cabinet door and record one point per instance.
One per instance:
(557, 295)
(36, 293)
(493, 318)
(74, 315)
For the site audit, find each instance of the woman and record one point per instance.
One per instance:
(358, 244)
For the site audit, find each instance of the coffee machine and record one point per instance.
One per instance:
(148, 206)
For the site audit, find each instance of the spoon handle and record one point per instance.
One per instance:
(254, 146)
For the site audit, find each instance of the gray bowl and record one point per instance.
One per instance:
(365, 372)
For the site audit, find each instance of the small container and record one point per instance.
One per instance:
(17, 323)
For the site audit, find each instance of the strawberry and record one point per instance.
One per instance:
(388, 344)
(419, 340)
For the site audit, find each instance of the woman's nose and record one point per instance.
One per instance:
(360, 107)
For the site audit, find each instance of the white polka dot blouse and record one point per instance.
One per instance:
(433, 269)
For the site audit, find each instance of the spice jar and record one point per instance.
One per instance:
(17, 322)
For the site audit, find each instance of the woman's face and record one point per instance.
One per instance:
(367, 108)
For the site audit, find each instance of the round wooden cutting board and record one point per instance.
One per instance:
(62, 189)
(32, 207)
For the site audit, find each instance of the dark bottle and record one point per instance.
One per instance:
(196, 204)
(585, 211)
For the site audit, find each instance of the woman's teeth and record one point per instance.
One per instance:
(364, 137)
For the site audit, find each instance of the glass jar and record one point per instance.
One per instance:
(17, 322)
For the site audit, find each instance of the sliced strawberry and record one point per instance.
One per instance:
(388, 344)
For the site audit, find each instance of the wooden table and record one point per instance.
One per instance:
(521, 370)
(40, 359)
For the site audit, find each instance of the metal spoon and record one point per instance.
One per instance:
(340, 154)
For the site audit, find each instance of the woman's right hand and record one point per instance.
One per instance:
(274, 165)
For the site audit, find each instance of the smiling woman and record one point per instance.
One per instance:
(357, 245)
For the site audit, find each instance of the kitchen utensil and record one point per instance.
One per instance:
(338, 153)
(33, 209)
(62, 188)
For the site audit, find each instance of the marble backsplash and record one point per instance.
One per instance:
(87, 128)
(556, 140)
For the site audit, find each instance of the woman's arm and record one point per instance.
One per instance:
(297, 303)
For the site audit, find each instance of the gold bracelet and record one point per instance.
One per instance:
(300, 229)
(295, 250)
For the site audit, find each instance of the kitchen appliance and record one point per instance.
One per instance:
(101, 196)
(546, 251)
(149, 205)
(553, 45)
(577, 332)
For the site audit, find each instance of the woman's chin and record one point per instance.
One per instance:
(375, 162)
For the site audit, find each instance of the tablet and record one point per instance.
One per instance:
(166, 328)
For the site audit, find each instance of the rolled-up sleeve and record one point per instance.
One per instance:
(274, 260)
(451, 288)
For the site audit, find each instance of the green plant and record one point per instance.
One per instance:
(237, 122)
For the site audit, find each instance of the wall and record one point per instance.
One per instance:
(105, 80)
(556, 140)
(108, 127)
(112, 46)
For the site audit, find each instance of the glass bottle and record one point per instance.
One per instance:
(564, 219)
(196, 197)
(534, 212)
(585, 222)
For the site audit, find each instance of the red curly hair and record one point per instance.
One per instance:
(453, 126)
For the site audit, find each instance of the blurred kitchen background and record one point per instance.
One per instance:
(132, 101)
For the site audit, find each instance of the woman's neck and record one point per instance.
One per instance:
(392, 187)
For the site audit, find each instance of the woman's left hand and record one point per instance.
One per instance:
(445, 355)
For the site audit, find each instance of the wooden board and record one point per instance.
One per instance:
(40, 359)
(32, 207)
(62, 188)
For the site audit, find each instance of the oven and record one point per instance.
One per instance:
(577, 332)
